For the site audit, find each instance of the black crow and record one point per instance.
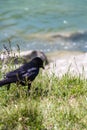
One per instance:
(24, 75)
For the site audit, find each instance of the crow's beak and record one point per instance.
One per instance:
(43, 67)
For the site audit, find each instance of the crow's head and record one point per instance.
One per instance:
(38, 62)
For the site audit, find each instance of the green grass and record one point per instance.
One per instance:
(53, 104)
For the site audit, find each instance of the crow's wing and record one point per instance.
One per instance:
(20, 71)
(31, 73)
(15, 73)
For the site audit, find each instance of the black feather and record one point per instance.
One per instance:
(27, 72)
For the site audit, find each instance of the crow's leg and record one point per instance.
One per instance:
(22, 83)
(28, 90)
(29, 86)
(8, 86)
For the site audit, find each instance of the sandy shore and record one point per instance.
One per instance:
(75, 63)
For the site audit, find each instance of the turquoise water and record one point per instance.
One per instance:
(28, 23)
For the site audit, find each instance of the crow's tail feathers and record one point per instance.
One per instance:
(4, 82)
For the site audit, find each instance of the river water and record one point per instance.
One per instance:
(47, 25)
